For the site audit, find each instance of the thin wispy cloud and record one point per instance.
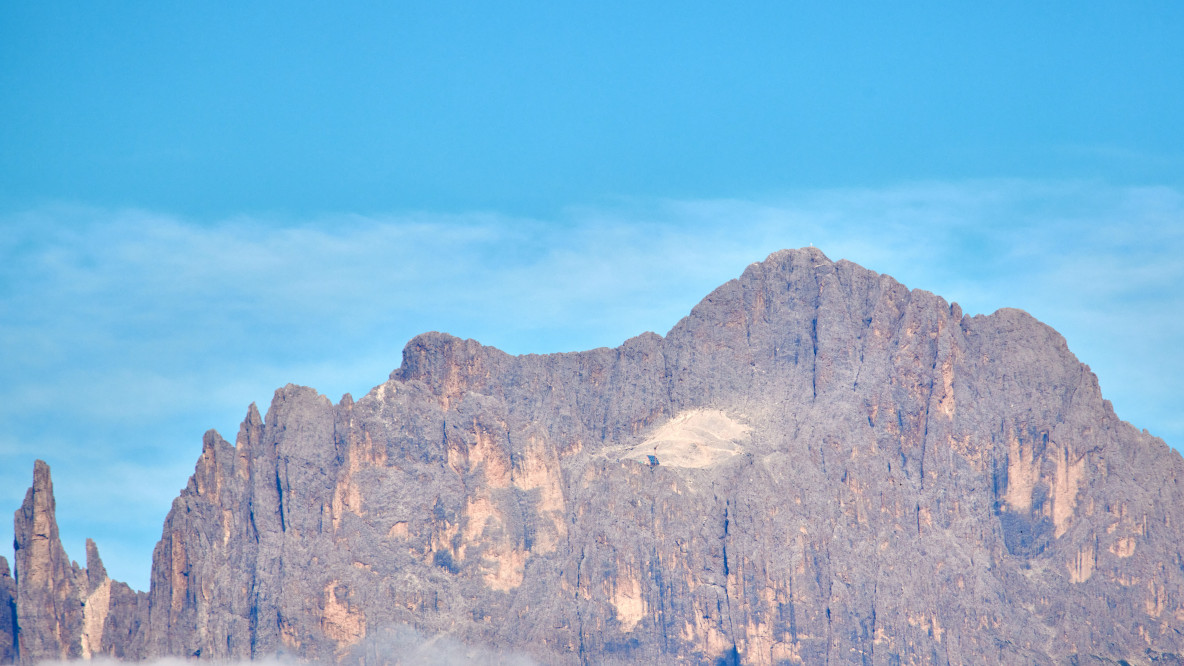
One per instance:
(129, 332)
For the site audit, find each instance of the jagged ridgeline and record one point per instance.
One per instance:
(817, 465)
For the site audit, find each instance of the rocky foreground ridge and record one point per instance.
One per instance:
(817, 465)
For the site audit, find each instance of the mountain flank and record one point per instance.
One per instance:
(816, 465)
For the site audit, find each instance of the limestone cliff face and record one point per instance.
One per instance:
(48, 609)
(816, 465)
(7, 614)
(61, 610)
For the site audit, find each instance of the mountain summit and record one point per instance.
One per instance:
(816, 465)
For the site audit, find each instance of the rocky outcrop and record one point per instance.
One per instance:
(48, 592)
(7, 614)
(64, 611)
(816, 465)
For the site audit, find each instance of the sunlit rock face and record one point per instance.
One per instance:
(61, 611)
(817, 465)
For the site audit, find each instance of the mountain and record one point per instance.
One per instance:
(817, 465)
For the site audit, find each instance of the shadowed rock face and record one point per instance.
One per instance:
(816, 465)
(7, 614)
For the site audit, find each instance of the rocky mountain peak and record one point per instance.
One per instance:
(761, 485)
(448, 365)
(62, 611)
(96, 573)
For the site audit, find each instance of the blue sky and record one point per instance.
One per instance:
(201, 203)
